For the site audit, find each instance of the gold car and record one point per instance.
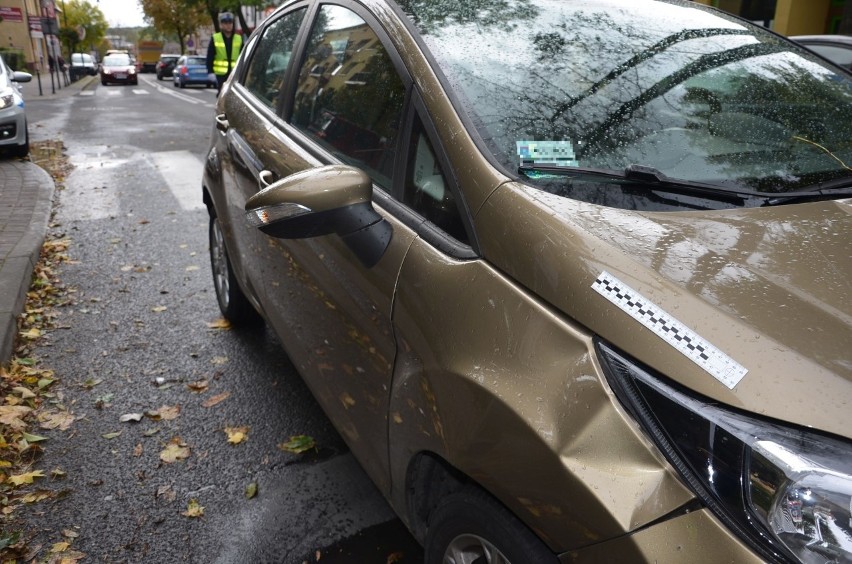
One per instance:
(572, 279)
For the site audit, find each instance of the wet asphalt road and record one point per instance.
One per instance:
(136, 338)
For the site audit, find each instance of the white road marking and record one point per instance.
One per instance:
(140, 91)
(90, 192)
(182, 172)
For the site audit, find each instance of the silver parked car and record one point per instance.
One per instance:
(14, 137)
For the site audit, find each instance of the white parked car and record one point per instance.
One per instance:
(14, 137)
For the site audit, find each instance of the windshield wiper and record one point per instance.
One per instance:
(648, 177)
(826, 190)
(843, 190)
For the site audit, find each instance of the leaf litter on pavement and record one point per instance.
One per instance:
(30, 402)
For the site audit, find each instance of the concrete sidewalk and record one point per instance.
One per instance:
(26, 202)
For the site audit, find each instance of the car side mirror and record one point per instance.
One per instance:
(321, 201)
(20, 76)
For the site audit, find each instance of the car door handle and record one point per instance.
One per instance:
(265, 178)
(222, 123)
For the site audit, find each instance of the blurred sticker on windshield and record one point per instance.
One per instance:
(722, 367)
(556, 153)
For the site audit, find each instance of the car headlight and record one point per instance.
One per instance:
(785, 490)
(6, 100)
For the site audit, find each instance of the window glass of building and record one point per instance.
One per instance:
(349, 95)
(269, 62)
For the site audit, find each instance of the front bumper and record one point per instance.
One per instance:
(696, 537)
(13, 126)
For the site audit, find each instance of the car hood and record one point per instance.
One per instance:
(770, 288)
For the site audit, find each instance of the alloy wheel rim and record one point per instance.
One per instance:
(220, 264)
(472, 549)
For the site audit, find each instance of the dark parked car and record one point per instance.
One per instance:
(165, 66)
(835, 48)
(571, 278)
(191, 70)
(82, 64)
(119, 67)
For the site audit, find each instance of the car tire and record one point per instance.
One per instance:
(233, 303)
(470, 526)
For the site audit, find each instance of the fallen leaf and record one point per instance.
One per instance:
(298, 444)
(32, 438)
(26, 478)
(167, 493)
(219, 360)
(236, 435)
(111, 435)
(25, 393)
(56, 420)
(130, 417)
(191, 268)
(11, 415)
(59, 547)
(32, 333)
(174, 451)
(137, 450)
(166, 412)
(169, 412)
(45, 382)
(193, 509)
(220, 323)
(68, 533)
(251, 490)
(159, 309)
(216, 399)
(394, 557)
(150, 432)
(199, 386)
(91, 383)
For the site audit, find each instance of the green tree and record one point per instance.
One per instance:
(81, 16)
(178, 18)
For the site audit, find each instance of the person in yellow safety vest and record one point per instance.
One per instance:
(223, 49)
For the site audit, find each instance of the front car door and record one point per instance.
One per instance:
(343, 103)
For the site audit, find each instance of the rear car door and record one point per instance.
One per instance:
(246, 149)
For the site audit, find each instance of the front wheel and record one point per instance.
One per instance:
(470, 526)
(233, 303)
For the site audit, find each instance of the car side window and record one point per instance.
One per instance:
(349, 95)
(269, 62)
(426, 188)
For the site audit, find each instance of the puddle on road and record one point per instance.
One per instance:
(91, 188)
(386, 542)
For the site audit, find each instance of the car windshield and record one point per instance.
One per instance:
(196, 61)
(691, 93)
(117, 61)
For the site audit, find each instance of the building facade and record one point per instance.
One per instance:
(792, 17)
